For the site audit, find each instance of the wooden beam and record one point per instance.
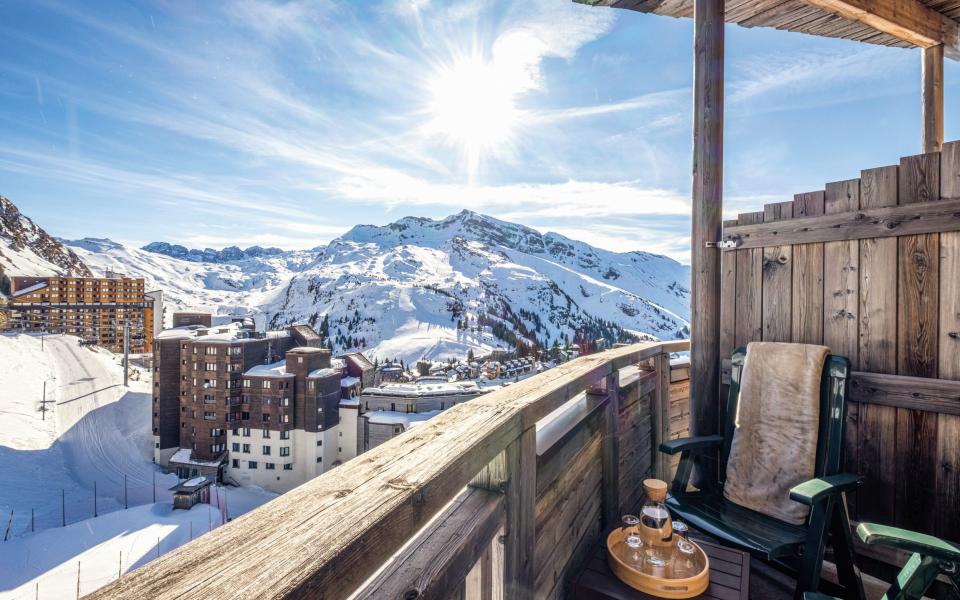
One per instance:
(893, 221)
(931, 98)
(708, 20)
(901, 391)
(907, 20)
(519, 532)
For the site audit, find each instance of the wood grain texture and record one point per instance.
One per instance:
(943, 215)
(807, 313)
(519, 528)
(876, 424)
(707, 205)
(841, 279)
(728, 302)
(948, 426)
(937, 396)
(917, 336)
(749, 323)
(777, 280)
(931, 98)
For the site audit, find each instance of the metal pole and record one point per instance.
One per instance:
(158, 546)
(120, 565)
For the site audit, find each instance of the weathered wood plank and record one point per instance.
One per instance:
(611, 453)
(912, 393)
(931, 98)
(777, 280)
(917, 336)
(661, 416)
(876, 424)
(519, 529)
(807, 289)
(942, 215)
(841, 279)
(728, 300)
(948, 426)
(443, 554)
(749, 324)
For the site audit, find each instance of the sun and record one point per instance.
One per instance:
(472, 106)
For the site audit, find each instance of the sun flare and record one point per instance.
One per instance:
(472, 105)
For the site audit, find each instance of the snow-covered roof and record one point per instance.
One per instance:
(349, 381)
(408, 420)
(425, 389)
(306, 350)
(277, 369)
(183, 457)
(228, 332)
(32, 288)
(322, 372)
(350, 402)
(338, 363)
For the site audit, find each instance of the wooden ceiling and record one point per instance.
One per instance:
(899, 23)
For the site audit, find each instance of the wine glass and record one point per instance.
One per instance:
(634, 543)
(630, 523)
(680, 529)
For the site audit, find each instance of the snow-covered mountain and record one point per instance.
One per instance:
(239, 287)
(26, 249)
(434, 288)
(422, 287)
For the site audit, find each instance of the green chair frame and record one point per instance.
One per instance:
(797, 549)
(931, 557)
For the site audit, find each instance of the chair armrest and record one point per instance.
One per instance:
(810, 492)
(911, 541)
(693, 444)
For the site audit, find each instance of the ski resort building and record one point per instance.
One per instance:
(250, 407)
(389, 410)
(95, 309)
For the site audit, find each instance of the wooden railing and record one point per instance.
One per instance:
(499, 497)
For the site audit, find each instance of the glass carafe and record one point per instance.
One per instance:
(656, 527)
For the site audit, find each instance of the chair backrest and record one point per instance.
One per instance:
(834, 389)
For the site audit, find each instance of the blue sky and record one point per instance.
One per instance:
(285, 123)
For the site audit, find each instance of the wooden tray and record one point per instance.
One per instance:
(657, 586)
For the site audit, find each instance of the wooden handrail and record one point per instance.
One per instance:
(326, 537)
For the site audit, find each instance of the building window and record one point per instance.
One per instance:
(288, 466)
(269, 466)
(266, 385)
(216, 432)
(211, 351)
(266, 451)
(285, 402)
(234, 351)
(285, 418)
(236, 431)
(319, 459)
(210, 366)
(236, 447)
(246, 383)
(266, 434)
(251, 464)
(210, 416)
(209, 383)
(235, 464)
(319, 442)
(284, 450)
(216, 448)
(266, 418)
(246, 448)
(246, 432)
(299, 360)
(284, 435)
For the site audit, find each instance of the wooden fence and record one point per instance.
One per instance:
(871, 268)
(499, 497)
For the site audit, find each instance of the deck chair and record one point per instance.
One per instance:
(931, 557)
(795, 547)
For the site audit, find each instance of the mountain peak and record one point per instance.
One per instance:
(25, 248)
(228, 254)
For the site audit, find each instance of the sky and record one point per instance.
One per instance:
(211, 124)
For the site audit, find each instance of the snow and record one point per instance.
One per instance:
(184, 456)
(277, 369)
(44, 565)
(424, 389)
(349, 381)
(408, 420)
(96, 436)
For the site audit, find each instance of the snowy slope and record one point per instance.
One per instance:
(230, 287)
(26, 249)
(399, 291)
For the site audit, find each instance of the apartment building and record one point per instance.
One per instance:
(392, 408)
(248, 407)
(95, 309)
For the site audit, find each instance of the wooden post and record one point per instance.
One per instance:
(521, 492)
(611, 452)
(931, 101)
(708, 21)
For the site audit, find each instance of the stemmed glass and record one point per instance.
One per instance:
(630, 523)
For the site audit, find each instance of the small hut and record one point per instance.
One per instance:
(192, 491)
